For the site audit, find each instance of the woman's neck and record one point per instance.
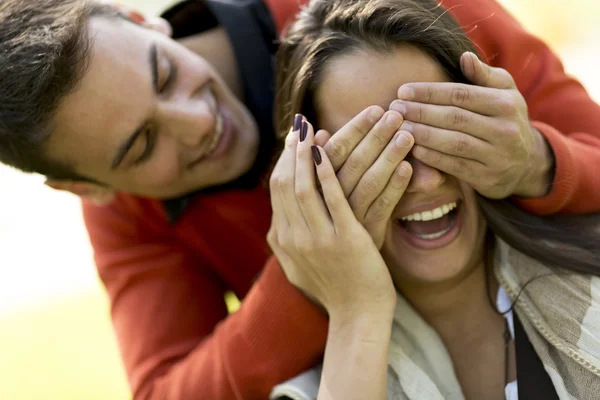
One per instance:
(459, 310)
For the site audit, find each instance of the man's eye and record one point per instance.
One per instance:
(167, 74)
(147, 138)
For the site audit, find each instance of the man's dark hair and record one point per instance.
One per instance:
(44, 53)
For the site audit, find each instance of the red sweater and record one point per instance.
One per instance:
(166, 281)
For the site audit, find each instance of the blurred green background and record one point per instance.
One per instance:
(56, 341)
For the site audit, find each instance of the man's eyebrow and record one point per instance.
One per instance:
(128, 144)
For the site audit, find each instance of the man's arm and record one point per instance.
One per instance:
(559, 106)
(175, 337)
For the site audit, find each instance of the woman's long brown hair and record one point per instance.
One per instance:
(328, 28)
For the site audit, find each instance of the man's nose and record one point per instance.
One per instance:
(424, 178)
(190, 122)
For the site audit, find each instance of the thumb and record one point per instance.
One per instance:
(322, 137)
(481, 74)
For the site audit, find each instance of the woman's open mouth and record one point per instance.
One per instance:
(433, 228)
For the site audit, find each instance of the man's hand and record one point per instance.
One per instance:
(479, 133)
(137, 17)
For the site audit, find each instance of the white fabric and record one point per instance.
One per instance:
(503, 303)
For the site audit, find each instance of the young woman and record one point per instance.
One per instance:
(420, 308)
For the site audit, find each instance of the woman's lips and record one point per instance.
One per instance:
(433, 241)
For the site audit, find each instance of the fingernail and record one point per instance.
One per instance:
(402, 140)
(398, 106)
(297, 122)
(303, 131)
(403, 171)
(407, 126)
(316, 154)
(406, 92)
(375, 114)
(393, 120)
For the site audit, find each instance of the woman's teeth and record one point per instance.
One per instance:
(431, 214)
(216, 135)
(436, 235)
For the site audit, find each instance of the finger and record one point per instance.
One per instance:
(382, 208)
(337, 205)
(160, 25)
(459, 167)
(450, 118)
(367, 151)
(480, 100)
(275, 185)
(283, 182)
(374, 181)
(339, 147)
(479, 73)
(449, 142)
(128, 12)
(309, 199)
(322, 137)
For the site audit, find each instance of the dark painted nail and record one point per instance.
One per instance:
(316, 154)
(303, 131)
(297, 122)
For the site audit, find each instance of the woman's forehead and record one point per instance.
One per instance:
(351, 82)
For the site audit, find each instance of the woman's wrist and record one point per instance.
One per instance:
(366, 322)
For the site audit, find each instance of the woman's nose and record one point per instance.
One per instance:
(424, 178)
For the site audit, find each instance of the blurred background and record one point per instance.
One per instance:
(56, 341)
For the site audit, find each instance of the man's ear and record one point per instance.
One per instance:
(92, 192)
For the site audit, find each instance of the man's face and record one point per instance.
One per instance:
(151, 118)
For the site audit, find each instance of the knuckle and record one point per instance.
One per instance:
(421, 114)
(274, 181)
(272, 237)
(370, 184)
(304, 244)
(377, 139)
(336, 149)
(460, 165)
(302, 193)
(285, 241)
(457, 118)
(429, 94)
(422, 133)
(461, 144)
(460, 96)
(381, 208)
(507, 104)
(354, 166)
(510, 131)
(290, 140)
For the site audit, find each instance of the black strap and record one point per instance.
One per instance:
(532, 379)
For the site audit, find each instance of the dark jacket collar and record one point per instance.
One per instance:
(253, 36)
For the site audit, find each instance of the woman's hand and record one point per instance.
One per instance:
(323, 249)
(368, 154)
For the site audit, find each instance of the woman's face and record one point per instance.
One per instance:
(437, 231)
(150, 117)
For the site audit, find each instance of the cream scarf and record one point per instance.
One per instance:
(560, 314)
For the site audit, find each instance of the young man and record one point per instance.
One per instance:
(162, 136)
